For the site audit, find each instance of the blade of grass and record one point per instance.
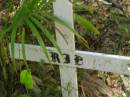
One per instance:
(23, 49)
(87, 25)
(38, 37)
(81, 8)
(47, 33)
(81, 39)
(13, 36)
(61, 33)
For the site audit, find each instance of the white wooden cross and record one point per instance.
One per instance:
(63, 10)
(73, 59)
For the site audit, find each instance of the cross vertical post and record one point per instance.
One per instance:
(63, 9)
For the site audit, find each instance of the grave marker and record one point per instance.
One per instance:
(73, 59)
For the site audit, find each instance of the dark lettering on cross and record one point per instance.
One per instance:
(66, 58)
(55, 57)
(78, 60)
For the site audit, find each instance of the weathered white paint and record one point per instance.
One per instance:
(91, 60)
(94, 61)
(64, 10)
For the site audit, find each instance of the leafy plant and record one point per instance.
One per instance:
(87, 25)
(30, 16)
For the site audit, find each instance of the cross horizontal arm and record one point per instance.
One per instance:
(83, 59)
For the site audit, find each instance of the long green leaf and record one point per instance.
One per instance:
(81, 8)
(87, 25)
(24, 50)
(39, 39)
(56, 19)
(40, 17)
(62, 34)
(47, 33)
(13, 36)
